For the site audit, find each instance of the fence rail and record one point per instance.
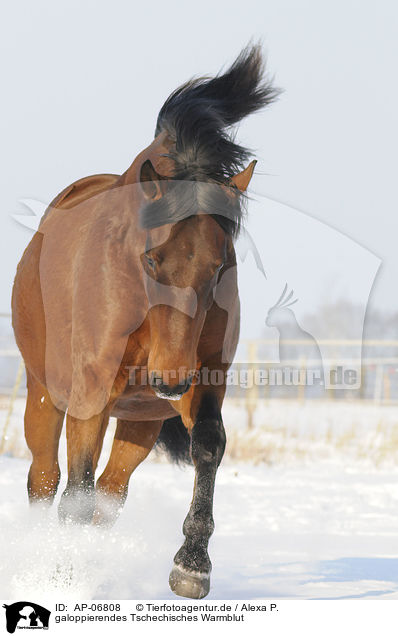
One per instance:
(379, 373)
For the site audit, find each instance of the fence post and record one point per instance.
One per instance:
(387, 386)
(378, 393)
(251, 392)
(301, 387)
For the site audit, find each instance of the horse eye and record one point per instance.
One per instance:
(151, 262)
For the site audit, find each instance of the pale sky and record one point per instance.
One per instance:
(82, 83)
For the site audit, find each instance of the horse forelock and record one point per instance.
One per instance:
(187, 198)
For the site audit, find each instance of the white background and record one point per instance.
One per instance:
(82, 83)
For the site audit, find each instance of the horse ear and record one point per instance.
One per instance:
(242, 179)
(151, 181)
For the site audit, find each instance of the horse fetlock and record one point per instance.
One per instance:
(197, 528)
(76, 506)
(190, 576)
(111, 488)
(193, 555)
(43, 484)
(108, 506)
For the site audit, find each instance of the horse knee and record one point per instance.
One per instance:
(208, 441)
(208, 433)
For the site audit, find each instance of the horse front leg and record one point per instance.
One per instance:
(84, 443)
(190, 576)
(132, 444)
(43, 425)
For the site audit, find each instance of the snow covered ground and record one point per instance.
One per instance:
(310, 516)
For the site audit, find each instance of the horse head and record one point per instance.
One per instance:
(190, 226)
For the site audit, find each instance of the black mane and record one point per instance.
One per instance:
(198, 116)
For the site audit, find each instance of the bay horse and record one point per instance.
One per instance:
(125, 296)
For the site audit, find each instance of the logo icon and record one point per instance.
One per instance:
(26, 615)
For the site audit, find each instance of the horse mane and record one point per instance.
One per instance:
(198, 116)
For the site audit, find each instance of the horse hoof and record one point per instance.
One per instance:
(189, 583)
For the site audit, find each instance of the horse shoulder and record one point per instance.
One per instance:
(81, 190)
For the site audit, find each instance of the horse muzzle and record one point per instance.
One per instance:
(167, 391)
